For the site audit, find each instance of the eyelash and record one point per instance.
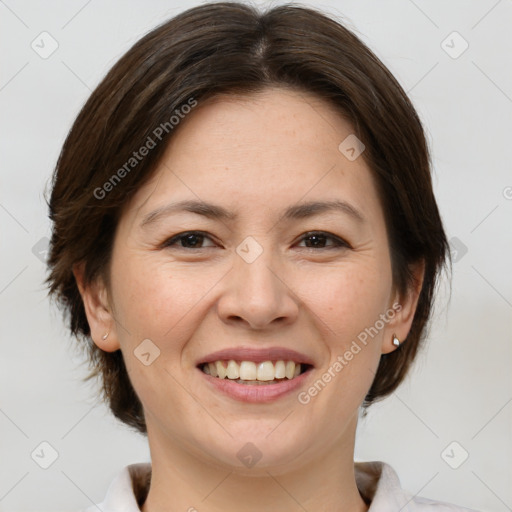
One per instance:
(339, 243)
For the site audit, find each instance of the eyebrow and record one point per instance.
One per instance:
(216, 212)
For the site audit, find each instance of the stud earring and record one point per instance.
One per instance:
(105, 336)
(396, 341)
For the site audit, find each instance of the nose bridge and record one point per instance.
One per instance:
(258, 293)
(254, 265)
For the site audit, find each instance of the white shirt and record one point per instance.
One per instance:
(377, 482)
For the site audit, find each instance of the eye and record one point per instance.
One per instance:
(188, 240)
(318, 239)
(313, 240)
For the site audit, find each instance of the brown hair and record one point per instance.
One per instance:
(233, 48)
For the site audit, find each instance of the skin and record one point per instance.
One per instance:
(254, 155)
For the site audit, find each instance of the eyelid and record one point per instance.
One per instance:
(338, 242)
(174, 239)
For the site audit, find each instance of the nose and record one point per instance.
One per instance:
(258, 294)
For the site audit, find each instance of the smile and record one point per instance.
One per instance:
(249, 372)
(260, 382)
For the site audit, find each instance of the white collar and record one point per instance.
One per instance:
(376, 481)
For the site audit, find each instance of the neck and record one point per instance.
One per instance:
(182, 481)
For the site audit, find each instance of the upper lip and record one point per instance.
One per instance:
(257, 355)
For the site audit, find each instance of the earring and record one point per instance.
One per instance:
(396, 341)
(105, 336)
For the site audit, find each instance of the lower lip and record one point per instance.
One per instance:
(256, 393)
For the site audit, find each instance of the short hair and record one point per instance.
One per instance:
(233, 48)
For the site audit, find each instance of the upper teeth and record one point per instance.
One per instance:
(248, 370)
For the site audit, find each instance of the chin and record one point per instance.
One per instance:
(260, 452)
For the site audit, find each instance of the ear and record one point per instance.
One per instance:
(404, 306)
(98, 310)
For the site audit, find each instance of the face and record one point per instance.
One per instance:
(316, 281)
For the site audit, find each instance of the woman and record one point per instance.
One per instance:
(246, 237)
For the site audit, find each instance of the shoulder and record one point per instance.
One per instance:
(378, 484)
(424, 504)
(127, 491)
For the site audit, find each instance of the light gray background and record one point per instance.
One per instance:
(460, 389)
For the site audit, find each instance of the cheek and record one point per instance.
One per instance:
(345, 309)
(158, 303)
(346, 298)
(158, 300)
(347, 304)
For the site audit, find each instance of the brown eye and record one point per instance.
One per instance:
(188, 240)
(319, 239)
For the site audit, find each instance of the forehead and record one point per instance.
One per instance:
(268, 149)
(265, 119)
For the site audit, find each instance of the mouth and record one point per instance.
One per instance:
(259, 375)
(257, 383)
(250, 373)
